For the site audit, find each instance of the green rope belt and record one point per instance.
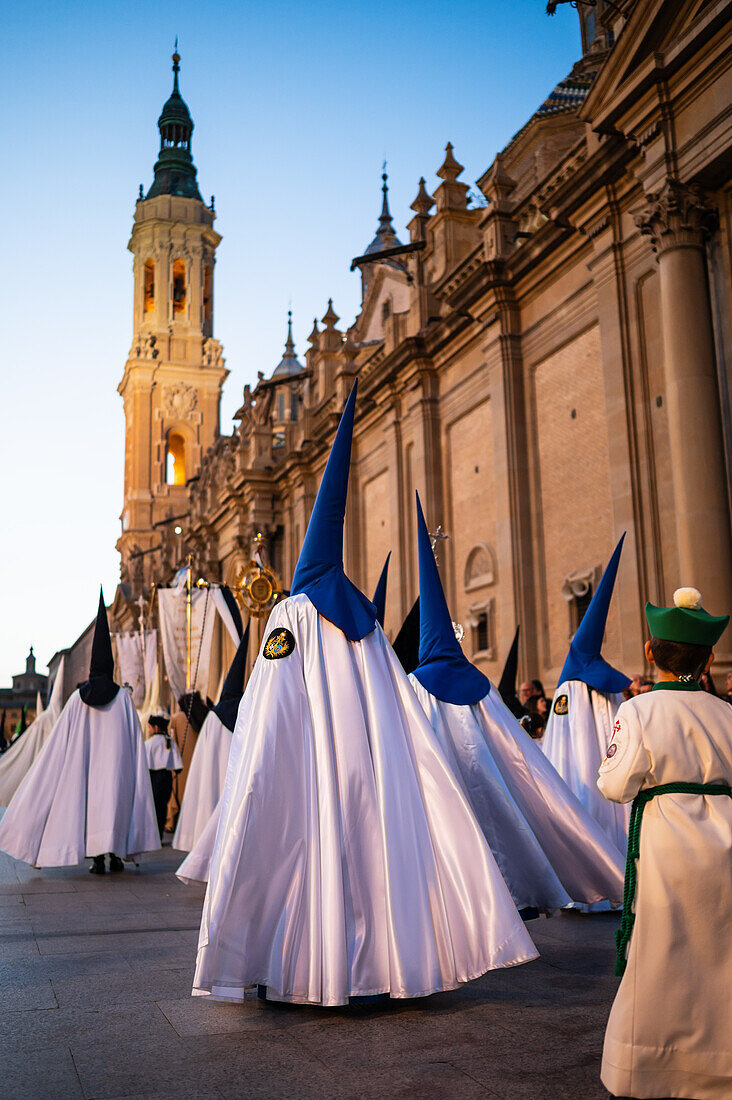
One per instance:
(623, 934)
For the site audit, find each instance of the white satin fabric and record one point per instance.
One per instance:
(17, 760)
(576, 743)
(549, 849)
(669, 1032)
(205, 782)
(87, 793)
(196, 867)
(347, 860)
(162, 752)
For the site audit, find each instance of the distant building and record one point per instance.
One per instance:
(548, 361)
(23, 693)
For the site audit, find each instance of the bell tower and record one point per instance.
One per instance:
(171, 386)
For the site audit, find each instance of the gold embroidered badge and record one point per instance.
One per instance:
(561, 705)
(280, 643)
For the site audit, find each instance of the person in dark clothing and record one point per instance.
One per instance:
(163, 759)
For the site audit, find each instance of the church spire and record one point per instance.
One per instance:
(175, 172)
(289, 363)
(385, 235)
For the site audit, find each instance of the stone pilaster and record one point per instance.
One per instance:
(679, 222)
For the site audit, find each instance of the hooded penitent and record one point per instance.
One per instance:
(379, 600)
(347, 861)
(207, 771)
(580, 724)
(548, 848)
(668, 1033)
(21, 754)
(88, 791)
(100, 689)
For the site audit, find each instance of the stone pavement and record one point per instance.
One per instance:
(95, 1003)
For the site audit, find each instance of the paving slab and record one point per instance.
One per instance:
(95, 982)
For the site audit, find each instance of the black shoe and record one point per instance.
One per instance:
(115, 863)
(97, 867)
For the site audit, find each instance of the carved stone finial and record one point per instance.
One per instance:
(423, 202)
(677, 216)
(330, 318)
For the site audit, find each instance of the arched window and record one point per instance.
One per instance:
(149, 292)
(175, 459)
(179, 286)
(480, 568)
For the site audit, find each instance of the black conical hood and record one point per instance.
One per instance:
(379, 600)
(227, 707)
(406, 643)
(507, 683)
(100, 688)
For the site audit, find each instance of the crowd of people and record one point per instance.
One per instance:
(374, 825)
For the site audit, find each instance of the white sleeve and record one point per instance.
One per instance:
(626, 763)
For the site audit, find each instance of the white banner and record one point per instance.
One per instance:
(173, 627)
(223, 609)
(135, 668)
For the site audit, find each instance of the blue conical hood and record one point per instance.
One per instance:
(443, 668)
(584, 661)
(227, 707)
(379, 600)
(319, 571)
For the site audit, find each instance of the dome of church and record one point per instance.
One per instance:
(289, 364)
(385, 235)
(175, 172)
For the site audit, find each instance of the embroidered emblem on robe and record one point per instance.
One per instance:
(561, 705)
(280, 643)
(611, 752)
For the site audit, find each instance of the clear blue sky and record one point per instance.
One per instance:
(295, 105)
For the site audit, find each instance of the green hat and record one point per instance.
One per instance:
(686, 621)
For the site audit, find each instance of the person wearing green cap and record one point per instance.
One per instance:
(669, 1031)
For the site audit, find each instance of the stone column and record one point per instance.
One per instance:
(679, 222)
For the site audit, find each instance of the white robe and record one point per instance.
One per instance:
(196, 867)
(347, 860)
(17, 760)
(576, 742)
(550, 851)
(88, 793)
(670, 1028)
(206, 777)
(162, 753)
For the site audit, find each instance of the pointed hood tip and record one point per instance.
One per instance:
(443, 668)
(379, 599)
(319, 571)
(584, 660)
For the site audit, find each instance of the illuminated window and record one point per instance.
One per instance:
(208, 295)
(179, 286)
(149, 286)
(175, 460)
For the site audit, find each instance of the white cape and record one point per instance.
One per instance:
(549, 849)
(17, 760)
(347, 860)
(205, 782)
(576, 742)
(88, 793)
(196, 867)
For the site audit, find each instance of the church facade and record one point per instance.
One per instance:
(549, 366)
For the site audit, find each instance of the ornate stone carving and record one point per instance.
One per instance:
(212, 353)
(144, 347)
(179, 400)
(677, 216)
